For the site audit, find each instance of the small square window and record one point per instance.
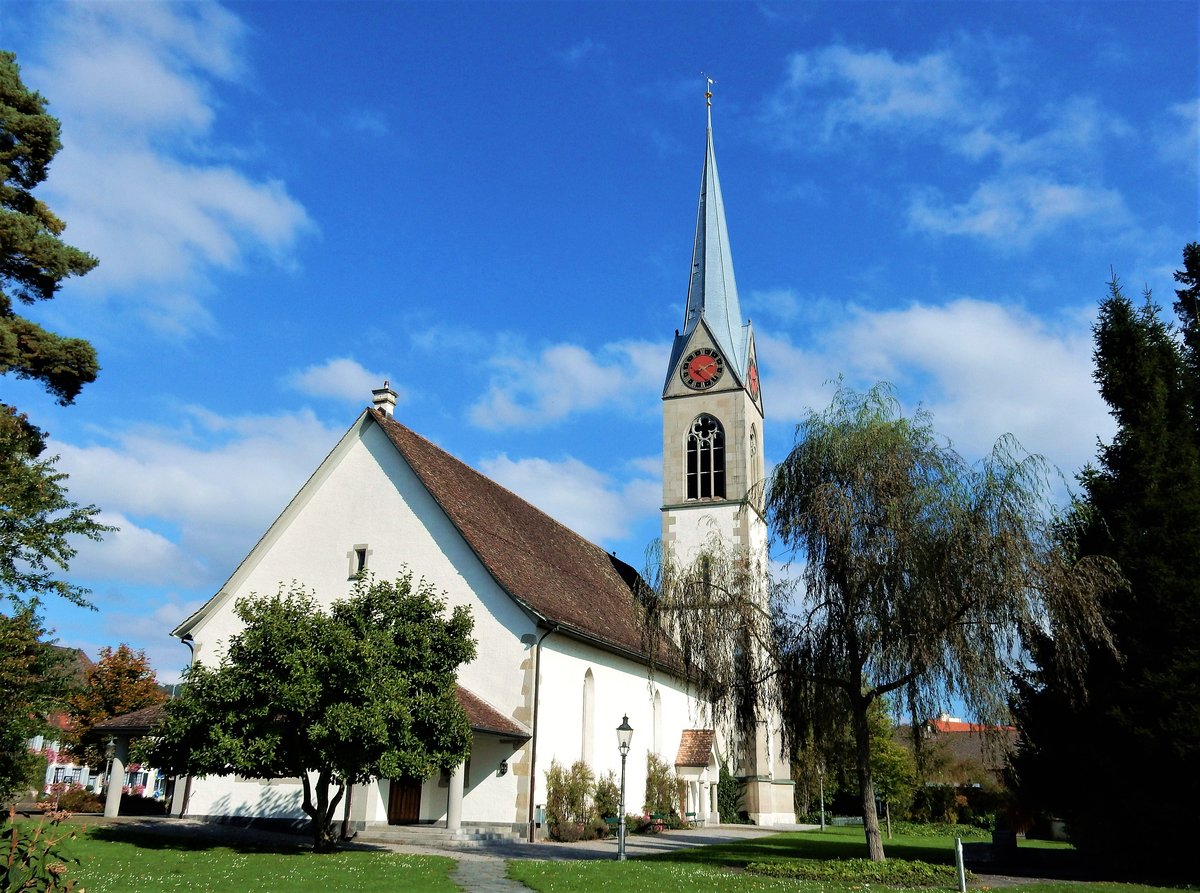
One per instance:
(360, 557)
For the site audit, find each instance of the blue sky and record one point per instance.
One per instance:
(491, 205)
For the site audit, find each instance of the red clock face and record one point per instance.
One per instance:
(752, 379)
(702, 369)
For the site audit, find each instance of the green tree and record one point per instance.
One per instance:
(34, 260)
(34, 679)
(364, 690)
(922, 577)
(1131, 747)
(36, 518)
(120, 682)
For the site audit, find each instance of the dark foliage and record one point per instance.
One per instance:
(1120, 766)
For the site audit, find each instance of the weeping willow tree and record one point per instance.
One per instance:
(909, 574)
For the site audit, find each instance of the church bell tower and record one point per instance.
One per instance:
(712, 401)
(713, 470)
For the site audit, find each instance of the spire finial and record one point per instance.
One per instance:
(708, 96)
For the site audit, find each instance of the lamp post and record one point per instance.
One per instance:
(110, 751)
(821, 779)
(624, 736)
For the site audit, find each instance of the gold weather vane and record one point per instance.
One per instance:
(708, 90)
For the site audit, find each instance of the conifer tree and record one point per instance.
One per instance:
(33, 259)
(1120, 764)
(37, 521)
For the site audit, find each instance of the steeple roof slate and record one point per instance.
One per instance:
(712, 291)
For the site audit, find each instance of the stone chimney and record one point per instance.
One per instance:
(384, 399)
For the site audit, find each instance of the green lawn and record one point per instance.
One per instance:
(123, 860)
(117, 861)
(718, 868)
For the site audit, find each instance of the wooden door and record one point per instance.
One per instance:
(404, 801)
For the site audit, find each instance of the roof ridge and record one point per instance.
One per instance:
(541, 563)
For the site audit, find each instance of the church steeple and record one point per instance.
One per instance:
(712, 291)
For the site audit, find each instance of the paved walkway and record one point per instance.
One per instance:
(484, 869)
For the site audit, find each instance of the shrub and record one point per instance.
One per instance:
(729, 799)
(33, 856)
(569, 794)
(662, 788)
(891, 873)
(132, 804)
(78, 799)
(941, 829)
(608, 796)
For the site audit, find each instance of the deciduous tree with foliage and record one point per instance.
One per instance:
(120, 682)
(34, 678)
(921, 578)
(1120, 764)
(364, 690)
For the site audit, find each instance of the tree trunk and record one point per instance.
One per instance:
(321, 812)
(866, 787)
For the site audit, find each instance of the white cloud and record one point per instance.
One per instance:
(341, 378)
(591, 503)
(1015, 211)
(986, 370)
(368, 122)
(1035, 173)
(836, 90)
(1179, 142)
(134, 554)
(201, 493)
(529, 391)
(583, 51)
(133, 84)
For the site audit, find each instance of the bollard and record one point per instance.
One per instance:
(962, 869)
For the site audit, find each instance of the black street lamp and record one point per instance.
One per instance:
(624, 736)
(110, 751)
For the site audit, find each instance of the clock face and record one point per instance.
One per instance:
(701, 369)
(752, 379)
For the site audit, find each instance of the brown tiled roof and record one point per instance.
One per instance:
(544, 566)
(695, 747)
(963, 755)
(136, 723)
(486, 718)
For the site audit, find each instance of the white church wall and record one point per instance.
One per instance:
(372, 498)
(621, 687)
(274, 798)
(366, 495)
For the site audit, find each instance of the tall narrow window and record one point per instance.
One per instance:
(589, 717)
(657, 728)
(706, 459)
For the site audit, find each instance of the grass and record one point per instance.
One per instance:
(721, 868)
(118, 859)
(114, 860)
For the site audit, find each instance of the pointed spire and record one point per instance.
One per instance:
(712, 292)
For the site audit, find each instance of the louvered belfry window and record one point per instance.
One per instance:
(706, 459)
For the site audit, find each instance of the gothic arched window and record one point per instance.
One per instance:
(706, 459)
(589, 716)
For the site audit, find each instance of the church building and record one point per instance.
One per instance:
(561, 657)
